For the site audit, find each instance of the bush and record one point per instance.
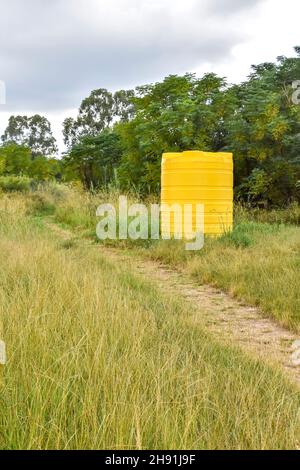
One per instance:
(15, 184)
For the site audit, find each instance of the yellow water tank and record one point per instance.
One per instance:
(194, 177)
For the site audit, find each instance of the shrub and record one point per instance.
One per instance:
(15, 183)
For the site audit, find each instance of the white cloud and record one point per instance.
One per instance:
(270, 29)
(60, 50)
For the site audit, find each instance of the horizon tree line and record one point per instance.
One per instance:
(117, 139)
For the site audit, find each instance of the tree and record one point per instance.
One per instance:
(123, 107)
(34, 132)
(17, 130)
(264, 133)
(2, 162)
(15, 159)
(178, 114)
(257, 120)
(42, 168)
(71, 132)
(94, 159)
(97, 113)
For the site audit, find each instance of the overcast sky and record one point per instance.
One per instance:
(53, 53)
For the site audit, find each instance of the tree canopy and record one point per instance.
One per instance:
(96, 113)
(17, 160)
(118, 138)
(33, 132)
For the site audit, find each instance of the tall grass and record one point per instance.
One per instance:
(289, 215)
(98, 358)
(257, 262)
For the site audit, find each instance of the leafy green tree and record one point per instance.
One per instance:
(264, 131)
(96, 111)
(178, 114)
(43, 168)
(95, 115)
(94, 159)
(33, 132)
(71, 132)
(257, 120)
(2, 162)
(15, 159)
(17, 130)
(123, 106)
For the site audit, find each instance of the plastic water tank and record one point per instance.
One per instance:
(196, 177)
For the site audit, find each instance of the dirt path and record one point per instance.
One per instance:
(223, 315)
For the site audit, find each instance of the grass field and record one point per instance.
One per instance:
(259, 262)
(98, 358)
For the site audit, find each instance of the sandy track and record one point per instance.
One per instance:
(226, 317)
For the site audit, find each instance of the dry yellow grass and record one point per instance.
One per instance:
(261, 266)
(259, 262)
(98, 358)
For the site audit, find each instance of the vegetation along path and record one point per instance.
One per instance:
(231, 320)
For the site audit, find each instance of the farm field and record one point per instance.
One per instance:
(101, 357)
